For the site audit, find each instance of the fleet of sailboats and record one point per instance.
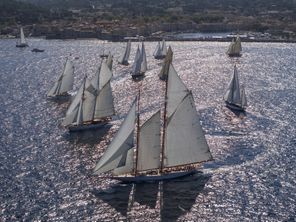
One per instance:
(160, 51)
(235, 48)
(93, 105)
(157, 159)
(22, 41)
(124, 58)
(64, 83)
(235, 97)
(140, 64)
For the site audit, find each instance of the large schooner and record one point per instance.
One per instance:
(235, 97)
(163, 75)
(93, 105)
(160, 51)
(235, 48)
(183, 143)
(140, 64)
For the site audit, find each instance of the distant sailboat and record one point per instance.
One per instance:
(183, 141)
(22, 42)
(64, 83)
(109, 61)
(235, 48)
(163, 75)
(93, 105)
(140, 64)
(235, 97)
(124, 58)
(160, 51)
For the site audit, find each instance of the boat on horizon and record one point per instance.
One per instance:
(64, 82)
(124, 58)
(183, 145)
(235, 96)
(22, 41)
(93, 105)
(160, 51)
(235, 48)
(140, 64)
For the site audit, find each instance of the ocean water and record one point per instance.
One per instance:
(46, 173)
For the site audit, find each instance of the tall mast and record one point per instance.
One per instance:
(138, 132)
(164, 125)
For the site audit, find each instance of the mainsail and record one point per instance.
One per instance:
(185, 142)
(110, 61)
(140, 63)
(124, 58)
(166, 64)
(64, 82)
(233, 92)
(95, 96)
(117, 152)
(161, 50)
(23, 40)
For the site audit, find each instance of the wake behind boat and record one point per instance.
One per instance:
(183, 141)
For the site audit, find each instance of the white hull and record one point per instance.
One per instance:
(87, 126)
(153, 178)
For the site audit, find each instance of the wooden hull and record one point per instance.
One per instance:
(153, 178)
(89, 126)
(235, 107)
(22, 45)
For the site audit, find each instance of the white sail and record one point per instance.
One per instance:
(176, 91)
(235, 47)
(244, 102)
(110, 61)
(157, 51)
(23, 40)
(143, 59)
(185, 142)
(137, 63)
(238, 44)
(232, 94)
(122, 142)
(124, 58)
(104, 106)
(149, 144)
(65, 81)
(163, 48)
(166, 64)
(77, 97)
(127, 166)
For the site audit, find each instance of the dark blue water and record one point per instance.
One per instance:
(46, 173)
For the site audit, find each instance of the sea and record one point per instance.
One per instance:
(46, 173)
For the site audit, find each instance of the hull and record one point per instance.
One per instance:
(159, 57)
(90, 126)
(123, 63)
(234, 54)
(138, 76)
(64, 96)
(37, 50)
(22, 45)
(235, 107)
(103, 56)
(153, 178)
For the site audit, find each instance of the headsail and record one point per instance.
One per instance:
(143, 59)
(110, 61)
(117, 151)
(23, 40)
(185, 142)
(137, 62)
(163, 48)
(166, 65)
(124, 59)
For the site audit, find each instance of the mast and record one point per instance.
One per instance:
(164, 126)
(138, 133)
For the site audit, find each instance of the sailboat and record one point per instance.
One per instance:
(93, 105)
(22, 42)
(235, 97)
(124, 58)
(235, 48)
(64, 83)
(163, 75)
(140, 64)
(183, 143)
(109, 61)
(160, 51)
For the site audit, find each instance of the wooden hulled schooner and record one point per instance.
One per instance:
(93, 105)
(235, 97)
(22, 41)
(163, 75)
(235, 48)
(124, 58)
(140, 64)
(160, 51)
(64, 83)
(183, 143)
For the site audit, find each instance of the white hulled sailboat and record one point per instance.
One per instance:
(183, 141)
(140, 64)
(64, 83)
(22, 41)
(93, 105)
(235, 97)
(160, 51)
(124, 58)
(235, 48)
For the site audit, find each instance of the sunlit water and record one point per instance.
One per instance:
(46, 173)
